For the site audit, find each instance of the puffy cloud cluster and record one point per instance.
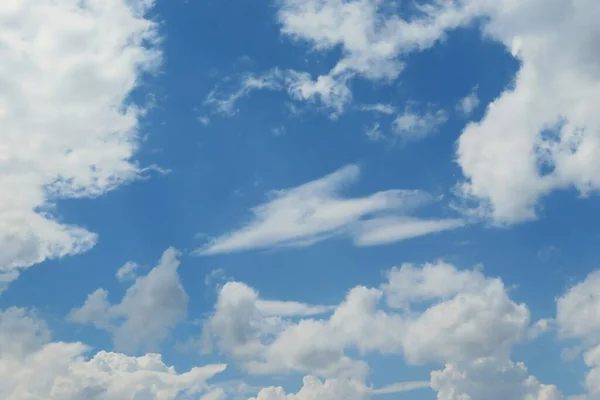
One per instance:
(68, 67)
(33, 367)
(430, 313)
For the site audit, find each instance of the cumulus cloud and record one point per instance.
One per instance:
(431, 313)
(543, 132)
(489, 379)
(67, 127)
(34, 367)
(151, 307)
(577, 313)
(317, 210)
(313, 389)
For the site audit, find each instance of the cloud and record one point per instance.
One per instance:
(402, 387)
(379, 108)
(313, 389)
(289, 308)
(414, 126)
(576, 318)
(490, 379)
(68, 128)
(226, 104)
(35, 367)
(372, 40)
(374, 133)
(462, 317)
(316, 211)
(241, 316)
(543, 132)
(469, 103)
(384, 230)
(151, 307)
(127, 271)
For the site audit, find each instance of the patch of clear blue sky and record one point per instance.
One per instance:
(219, 171)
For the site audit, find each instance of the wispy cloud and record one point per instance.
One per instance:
(412, 125)
(274, 308)
(380, 108)
(317, 210)
(402, 387)
(469, 103)
(225, 104)
(374, 133)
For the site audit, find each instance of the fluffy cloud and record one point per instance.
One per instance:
(465, 321)
(313, 389)
(127, 271)
(33, 367)
(372, 39)
(577, 313)
(67, 129)
(316, 210)
(489, 379)
(153, 305)
(542, 133)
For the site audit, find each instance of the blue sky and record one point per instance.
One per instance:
(299, 200)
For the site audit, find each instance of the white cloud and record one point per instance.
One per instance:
(372, 41)
(401, 387)
(384, 230)
(33, 367)
(374, 133)
(543, 132)
(577, 313)
(489, 379)
(151, 307)
(577, 309)
(316, 210)
(463, 318)
(226, 104)
(68, 68)
(379, 108)
(414, 126)
(469, 103)
(314, 389)
(127, 271)
(277, 308)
